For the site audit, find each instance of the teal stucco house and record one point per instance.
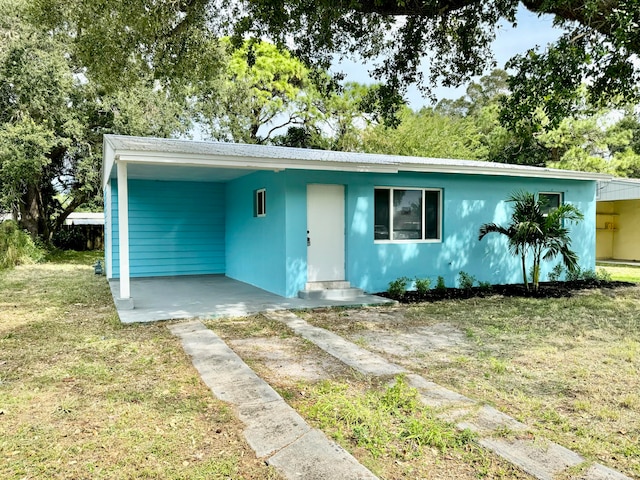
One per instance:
(286, 219)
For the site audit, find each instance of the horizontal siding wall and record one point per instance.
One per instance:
(175, 228)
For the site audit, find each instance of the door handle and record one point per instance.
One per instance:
(308, 239)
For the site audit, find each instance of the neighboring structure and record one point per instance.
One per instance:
(618, 220)
(81, 231)
(85, 218)
(284, 219)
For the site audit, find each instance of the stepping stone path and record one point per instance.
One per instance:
(540, 458)
(273, 429)
(276, 432)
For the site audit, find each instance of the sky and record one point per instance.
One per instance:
(531, 31)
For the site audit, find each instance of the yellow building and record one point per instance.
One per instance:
(618, 220)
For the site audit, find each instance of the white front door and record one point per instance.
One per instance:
(325, 233)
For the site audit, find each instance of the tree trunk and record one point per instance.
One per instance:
(536, 271)
(32, 215)
(524, 272)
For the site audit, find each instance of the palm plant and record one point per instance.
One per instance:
(543, 234)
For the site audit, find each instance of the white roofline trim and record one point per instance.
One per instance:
(482, 170)
(108, 159)
(250, 163)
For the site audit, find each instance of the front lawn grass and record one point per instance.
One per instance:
(622, 273)
(82, 396)
(568, 367)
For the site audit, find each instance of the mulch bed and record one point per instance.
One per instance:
(547, 290)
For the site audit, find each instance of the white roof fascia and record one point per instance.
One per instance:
(488, 169)
(619, 189)
(108, 155)
(255, 163)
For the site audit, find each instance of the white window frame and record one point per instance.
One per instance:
(412, 240)
(260, 202)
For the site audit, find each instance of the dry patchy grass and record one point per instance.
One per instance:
(82, 396)
(568, 368)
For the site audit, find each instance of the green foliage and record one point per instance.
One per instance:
(262, 85)
(388, 422)
(422, 285)
(53, 115)
(17, 247)
(465, 280)
(603, 275)
(599, 274)
(556, 273)
(398, 287)
(543, 234)
(121, 41)
(24, 146)
(426, 133)
(440, 285)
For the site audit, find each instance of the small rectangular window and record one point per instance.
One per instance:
(381, 213)
(406, 214)
(260, 203)
(549, 201)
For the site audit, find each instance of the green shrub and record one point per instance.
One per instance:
(465, 280)
(397, 288)
(589, 274)
(578, 274)
(485, 286)
(573, 275)
(440, 285)
(556, 273)
(423, 285)
(603, 275)
(17, 247)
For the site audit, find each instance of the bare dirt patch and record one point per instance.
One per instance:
(413, 341)
(391, 332)
(287, 358)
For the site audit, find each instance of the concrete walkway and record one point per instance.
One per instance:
(209, 296)
(540, 458)
(273, 429)
(277, 433)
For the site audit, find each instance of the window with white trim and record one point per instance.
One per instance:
(260, 203)
(549, 201)
(407, 214)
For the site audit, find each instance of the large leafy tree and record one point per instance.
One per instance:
(600, 42)
(52, 117)
(263, 90)
(341, 116)
(427, 133)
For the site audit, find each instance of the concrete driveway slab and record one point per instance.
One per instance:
(271, 426)
(211, 296)
(314, 457)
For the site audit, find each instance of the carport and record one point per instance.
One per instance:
(211, 296)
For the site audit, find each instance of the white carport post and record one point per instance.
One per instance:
(123, 236)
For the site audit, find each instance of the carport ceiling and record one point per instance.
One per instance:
(183, 173)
